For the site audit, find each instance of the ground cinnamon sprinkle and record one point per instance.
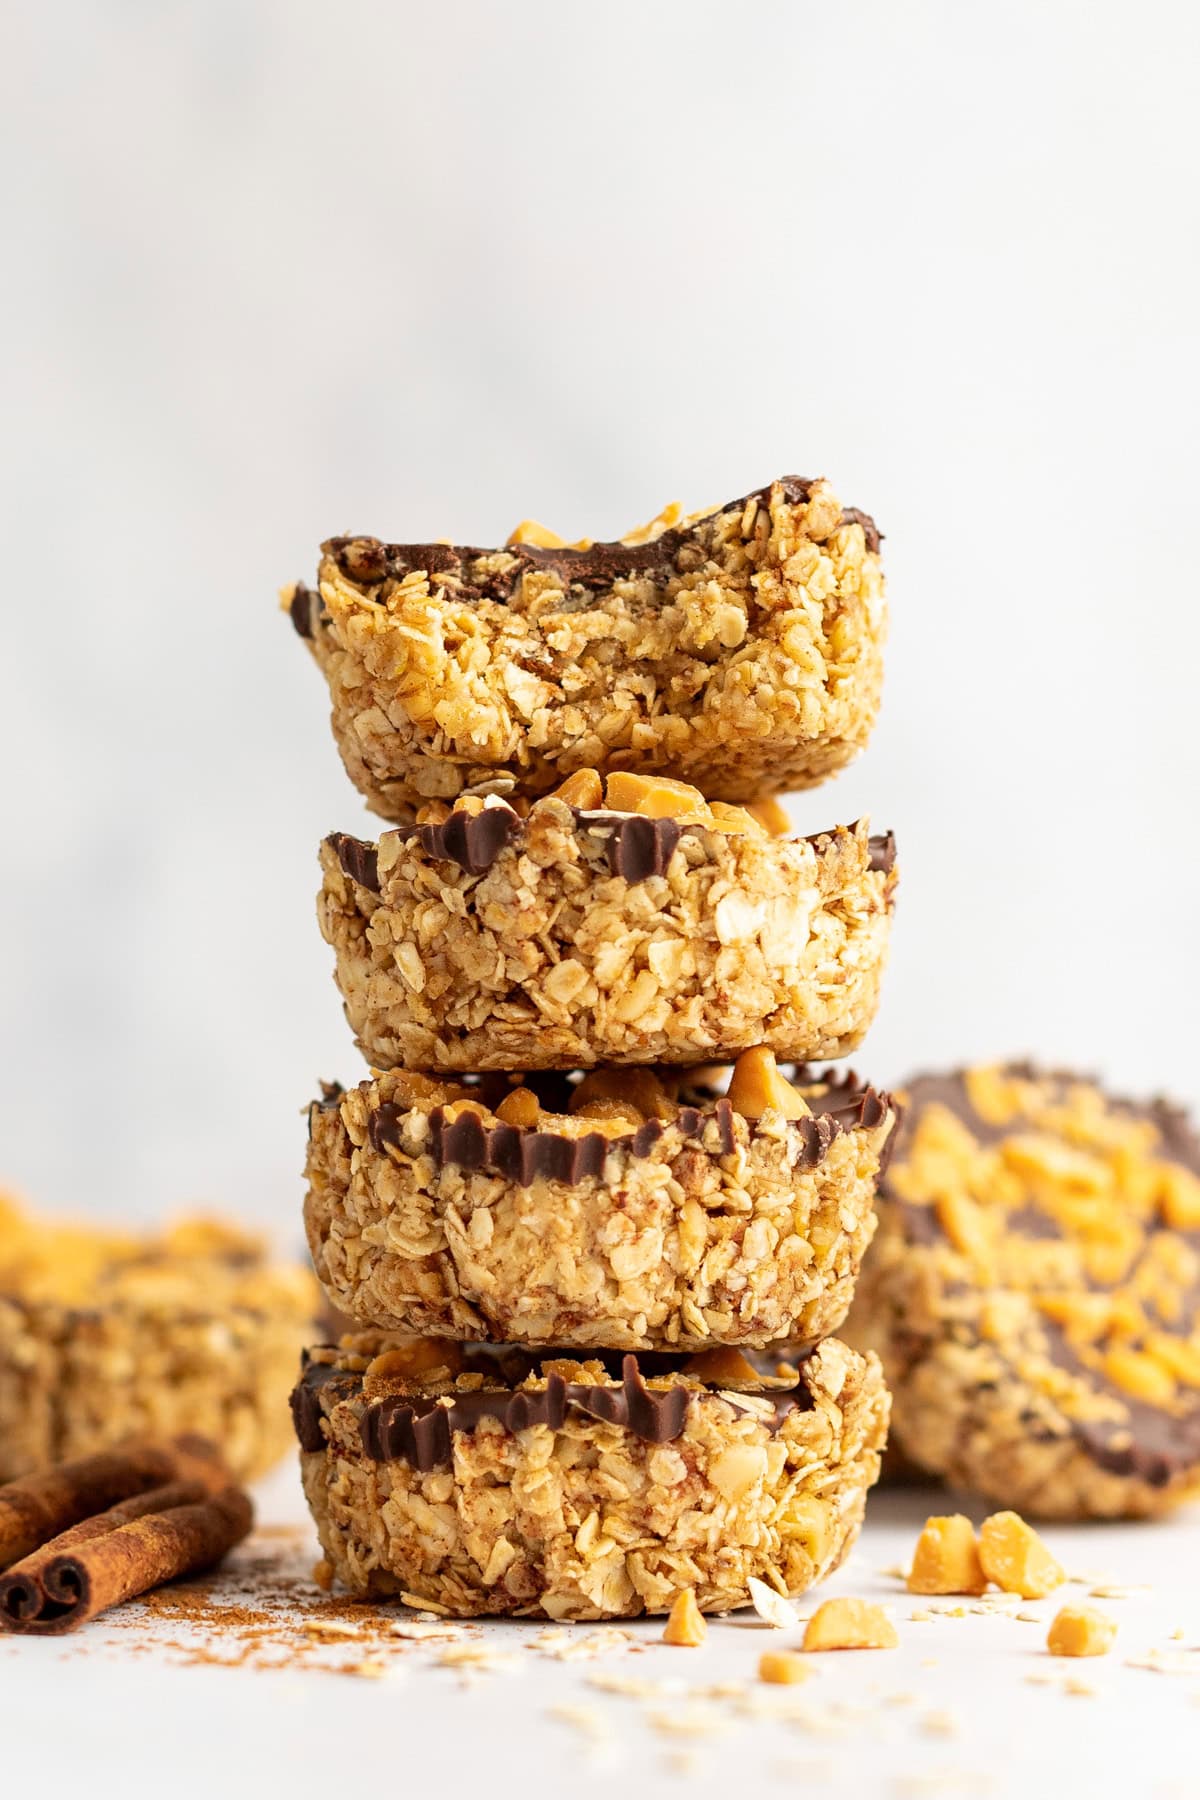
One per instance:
(264, 1611)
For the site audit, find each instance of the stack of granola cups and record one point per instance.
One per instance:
(592, 1238)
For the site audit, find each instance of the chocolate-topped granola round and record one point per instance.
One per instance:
(740, 650)
(582, 1485)
(621, 922)
(1034, 1293)
(629, 1208)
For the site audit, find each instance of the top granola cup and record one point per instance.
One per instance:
(105, 1335)
(1034, 1291)
(740, 650)
(635, 924)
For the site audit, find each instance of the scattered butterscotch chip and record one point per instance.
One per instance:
(946, 1559)
(323, 1574)
(1015, 1558)
(685, 1624)
(783, 1667)
(850, 1625)
(1081, 1631)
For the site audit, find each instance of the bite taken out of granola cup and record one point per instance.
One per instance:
(486, 1482)
(630, 1209)
(741, 650)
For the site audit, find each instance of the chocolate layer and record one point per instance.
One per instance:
(525, 1155)
(635, 847)
(367, 561)
(419, 1428)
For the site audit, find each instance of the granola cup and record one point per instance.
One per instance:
(582, 1489)
(740, 651)
(104, 1337)
(634, 1210)
(580, 935)
(1033, 1294)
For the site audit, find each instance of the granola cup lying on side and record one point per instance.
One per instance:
(636, 1209)
(1034, 1293)
(633, 924)
(105, 1336)
(740, 650)
(490, 1482)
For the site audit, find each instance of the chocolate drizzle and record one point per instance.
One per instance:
(368, 562)
(418, 1428)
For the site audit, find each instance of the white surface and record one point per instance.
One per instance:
(278, 271)
(78, 1714)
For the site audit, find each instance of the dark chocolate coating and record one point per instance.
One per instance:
(418, 1428)
(636, 848)
(367, 561)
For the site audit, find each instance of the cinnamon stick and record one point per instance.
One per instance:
(151, 1538)
(40, 1506)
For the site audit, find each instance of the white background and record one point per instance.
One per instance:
(276, 270)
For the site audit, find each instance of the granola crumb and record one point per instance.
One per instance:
(770, 1606)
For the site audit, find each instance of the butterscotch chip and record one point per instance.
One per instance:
(569, 1487)
(1081, 1631)
(1032, 1293)
(850, 1625)
(570, 938)
(686, 1624)
(654, 1215)
(583, 789)
(654, 797)
(1015, 1558)
(946, 1558)
(785, 1668)
(740, 652)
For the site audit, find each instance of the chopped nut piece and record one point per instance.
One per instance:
(685, 1625)
(1081, 1631)
(520, 1108)
(785, 1668)
(946, 1559)
(850, 1625)
(757, 1086)
(1015, 1558)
